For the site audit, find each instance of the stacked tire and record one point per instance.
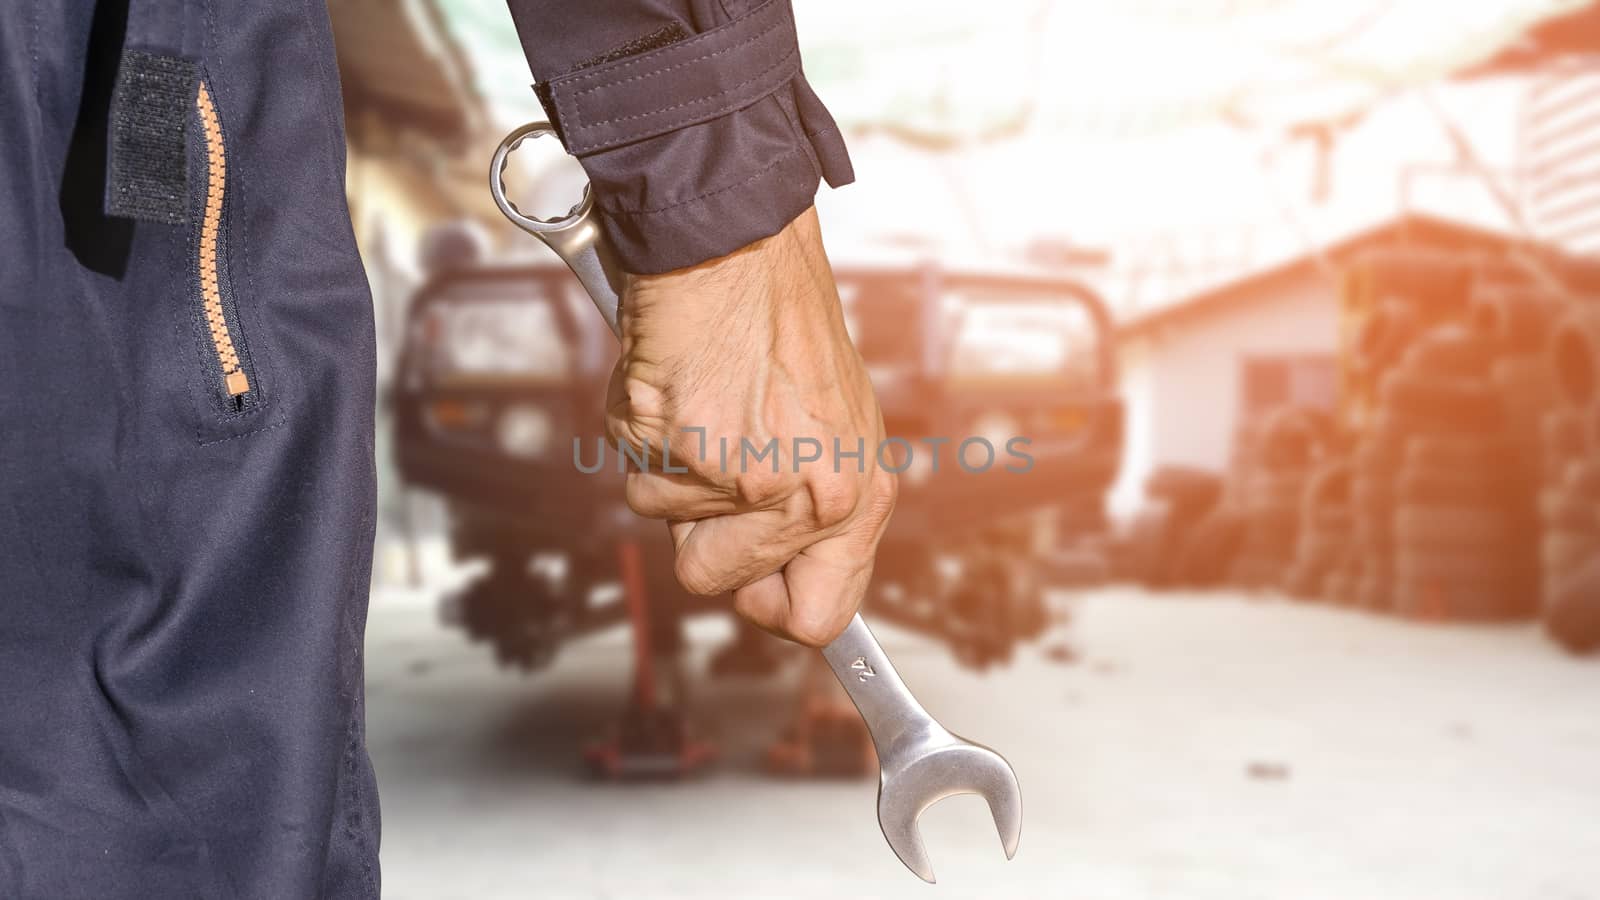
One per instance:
(1326, 531)
(1518, 321)
(1382, 338)
(1272, 521)
(1435, 286)
(1342, 585)
(1570, 501)
(1287, 445)
(1184, 496)
(1570, 525)
(1210, 548)
(1455, 514)
(1370, 573)
(1414, 293)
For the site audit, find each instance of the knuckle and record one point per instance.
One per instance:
(695, 576)
(702, 469)
(760, 487)
(632, 434)
(645, 401)
(753, 611)
(834, 500)
(882, 495)
(642, 497)
(812, 624)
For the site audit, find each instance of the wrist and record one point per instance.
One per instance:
(794, 252)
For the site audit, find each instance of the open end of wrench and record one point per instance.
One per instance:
(921, 762)
(956, 767)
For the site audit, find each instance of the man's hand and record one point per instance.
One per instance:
(752, 347)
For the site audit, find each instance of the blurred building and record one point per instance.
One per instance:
(1193, 372)
(1560, 141)
(419, 141)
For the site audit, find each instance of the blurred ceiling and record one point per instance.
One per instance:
(1142, 68)
(399, 60)
(949, 71)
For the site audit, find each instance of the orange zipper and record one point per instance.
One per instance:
(233, 376)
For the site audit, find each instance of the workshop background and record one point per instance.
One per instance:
(1300, 305)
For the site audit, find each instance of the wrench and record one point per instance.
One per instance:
(920, 762)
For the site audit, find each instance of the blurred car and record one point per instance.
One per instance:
(499, 396)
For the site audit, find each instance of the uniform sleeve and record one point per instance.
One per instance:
(692, 118)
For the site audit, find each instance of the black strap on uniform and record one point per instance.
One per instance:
(688, 81)
(151, 104)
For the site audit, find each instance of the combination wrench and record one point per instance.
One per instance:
(920, 762)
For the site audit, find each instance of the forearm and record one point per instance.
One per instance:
(697, 129)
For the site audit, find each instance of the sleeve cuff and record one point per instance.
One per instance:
(738, 208)
(702, 146)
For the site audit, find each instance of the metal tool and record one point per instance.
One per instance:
(575, 237)
(920, 762)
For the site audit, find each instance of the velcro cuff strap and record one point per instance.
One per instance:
(685, 83)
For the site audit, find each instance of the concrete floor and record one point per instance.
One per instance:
(1197, 747)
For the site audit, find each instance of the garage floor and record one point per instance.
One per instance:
(1196, 747)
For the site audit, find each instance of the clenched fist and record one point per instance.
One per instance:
(772, 489)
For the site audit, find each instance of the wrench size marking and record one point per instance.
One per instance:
(865, 671)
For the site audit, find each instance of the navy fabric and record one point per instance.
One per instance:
(692, 80)
(694, 149)
(183, 582)
(165, 27)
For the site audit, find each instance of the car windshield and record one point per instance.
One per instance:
(1005, 335)
(494, 328)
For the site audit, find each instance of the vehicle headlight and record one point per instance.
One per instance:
(921, 467)
(524, 431)
(996, 428)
